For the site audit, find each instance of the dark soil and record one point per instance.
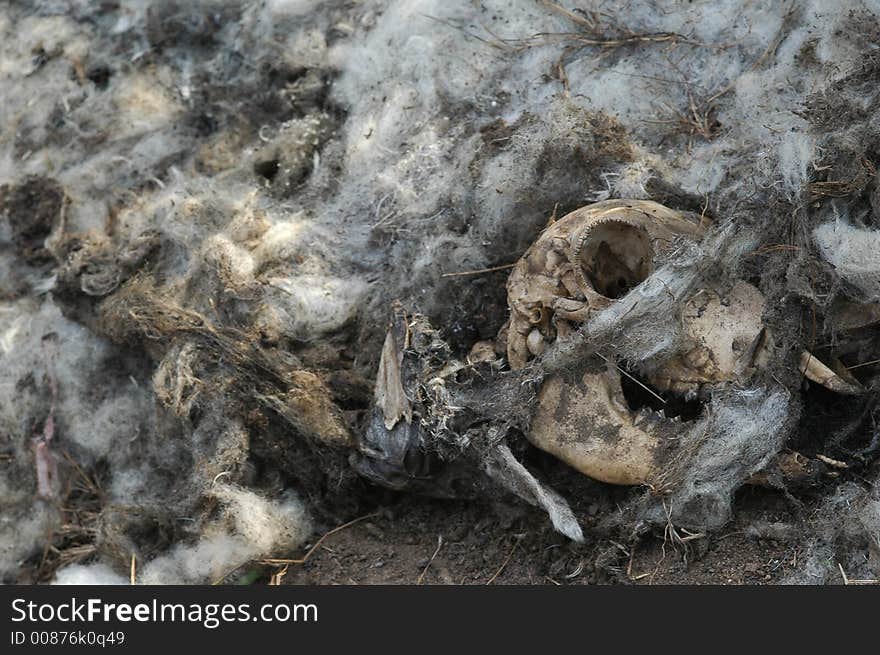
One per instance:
(484, 544)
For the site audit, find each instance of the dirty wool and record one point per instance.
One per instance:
(264, 265)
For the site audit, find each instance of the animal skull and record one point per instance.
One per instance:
(723, 339)
(580, 265)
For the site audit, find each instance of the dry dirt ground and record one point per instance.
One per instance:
(478, 544)
(411, 540)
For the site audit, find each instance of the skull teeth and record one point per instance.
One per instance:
(646, 413)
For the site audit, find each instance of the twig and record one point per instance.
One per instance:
(90, 485)
(593, 33)
(503, 564)
(572, 16)
(318, 543)
(643, 386)
(834, 463)
(850, 581)
(871, 363)
(223, 577)
(698, 117)
(480, 270)
(500, 44)
(428, 565)
(133, 574)
(577, 571)
(774, 44)
(278, 576)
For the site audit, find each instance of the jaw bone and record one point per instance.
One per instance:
(586, 423)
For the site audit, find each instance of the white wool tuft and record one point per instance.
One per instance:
(254, 527)
(89, 574)
(855, 254)
(23, 529)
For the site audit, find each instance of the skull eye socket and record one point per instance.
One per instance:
(616, 257)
